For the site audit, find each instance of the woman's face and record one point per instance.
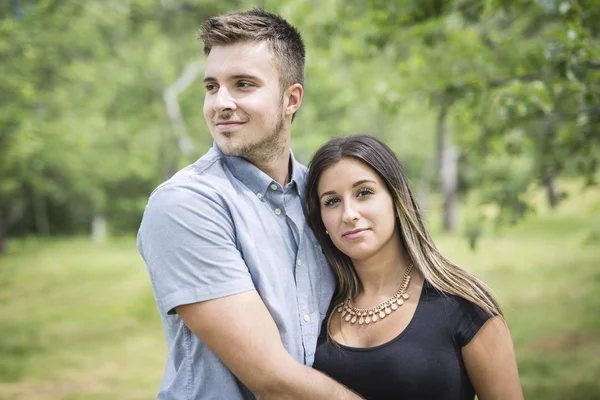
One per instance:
(357, 209)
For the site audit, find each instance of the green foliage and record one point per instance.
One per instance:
(84, 130)
(520, 78)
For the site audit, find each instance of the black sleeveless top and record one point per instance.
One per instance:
(423, 362)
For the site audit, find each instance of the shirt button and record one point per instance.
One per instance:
(277, 211)
(274, 186)
(299, 262)
(259, 195)
(306, 318)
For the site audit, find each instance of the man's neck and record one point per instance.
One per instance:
(278, 168)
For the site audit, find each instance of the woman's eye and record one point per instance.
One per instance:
(364, 192)
(330, 202)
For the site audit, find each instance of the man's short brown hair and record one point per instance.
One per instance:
(257, 25)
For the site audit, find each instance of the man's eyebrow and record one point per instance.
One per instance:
(233, 77)
(355, 184)
(245, 76)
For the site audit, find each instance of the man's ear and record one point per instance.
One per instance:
(293, 98)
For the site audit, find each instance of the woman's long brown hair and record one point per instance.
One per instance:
(435, 268)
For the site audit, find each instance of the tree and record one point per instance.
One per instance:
(521, 78)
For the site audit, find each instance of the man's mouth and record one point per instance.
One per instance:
(228, 125)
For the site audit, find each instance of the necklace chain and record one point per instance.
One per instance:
(367, 315)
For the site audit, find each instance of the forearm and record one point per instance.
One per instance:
(298, 382)
(242, 333)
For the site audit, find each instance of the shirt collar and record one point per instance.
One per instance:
(255, 179)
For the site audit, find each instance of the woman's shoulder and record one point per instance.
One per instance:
(463, 317)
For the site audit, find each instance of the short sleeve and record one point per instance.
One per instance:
(465, 319)
(187, 240)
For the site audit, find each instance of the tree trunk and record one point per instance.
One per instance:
(550, 184)
(550, 167)
(423, 188)
(2, 237)
(170, 96)
(98, 228)
(448, 167)
(40, 214)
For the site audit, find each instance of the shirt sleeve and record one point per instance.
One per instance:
(465, 319)
(187, 240)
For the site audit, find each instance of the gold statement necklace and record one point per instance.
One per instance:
(367, 315)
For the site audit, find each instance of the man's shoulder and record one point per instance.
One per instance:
(202, 177)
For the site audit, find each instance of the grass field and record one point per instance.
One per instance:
(78, 320)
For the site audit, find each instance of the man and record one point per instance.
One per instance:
(241, 285)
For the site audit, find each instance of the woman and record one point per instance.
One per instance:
(406, 322)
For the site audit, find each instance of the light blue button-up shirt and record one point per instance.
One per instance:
(220, 227)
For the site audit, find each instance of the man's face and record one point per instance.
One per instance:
(244, 101)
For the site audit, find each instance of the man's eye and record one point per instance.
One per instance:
(245, 84)
(210, 87)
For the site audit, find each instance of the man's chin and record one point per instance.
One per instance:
(229, 148)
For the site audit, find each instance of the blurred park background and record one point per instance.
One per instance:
(493, 107)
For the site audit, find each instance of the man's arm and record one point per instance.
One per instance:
(188, 240)
(242, 333)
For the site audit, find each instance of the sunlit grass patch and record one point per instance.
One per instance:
(78, 320)
(75, 310)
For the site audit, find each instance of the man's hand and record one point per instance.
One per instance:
(242, 333)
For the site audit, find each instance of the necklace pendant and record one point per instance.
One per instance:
(351, 314)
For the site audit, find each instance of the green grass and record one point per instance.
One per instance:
(78, 320)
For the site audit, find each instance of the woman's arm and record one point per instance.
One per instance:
(491, 364)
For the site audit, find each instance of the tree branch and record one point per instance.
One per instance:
(189, 75)
(452, 90)
(593, 64)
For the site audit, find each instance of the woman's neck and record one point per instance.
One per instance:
(381, 274)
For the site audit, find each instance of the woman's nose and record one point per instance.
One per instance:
(350, 213)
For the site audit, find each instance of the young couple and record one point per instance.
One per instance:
(262, 269)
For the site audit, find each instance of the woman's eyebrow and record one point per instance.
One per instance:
(355, 184)
(326, 194)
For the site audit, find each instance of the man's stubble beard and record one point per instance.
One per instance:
(268, 148)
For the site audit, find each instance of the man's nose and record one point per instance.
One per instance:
(223, 101)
